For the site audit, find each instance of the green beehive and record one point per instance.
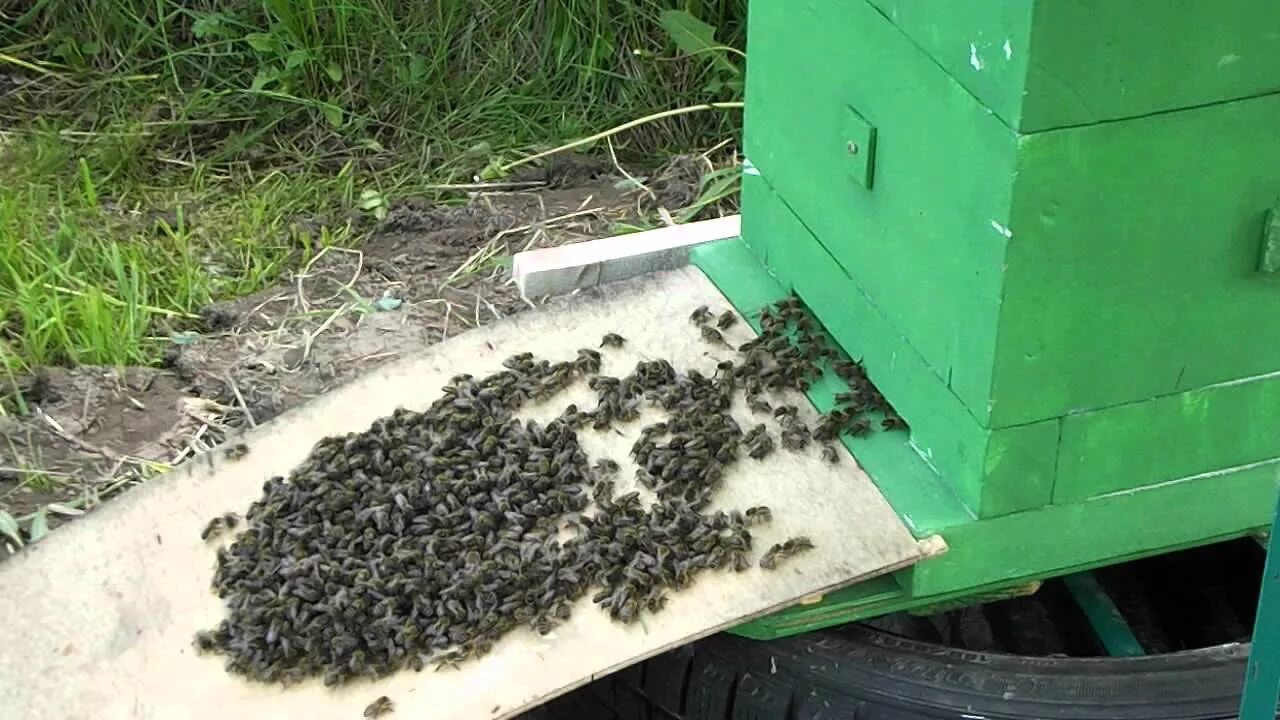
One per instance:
(1045, 226)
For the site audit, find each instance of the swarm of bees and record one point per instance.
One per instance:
(428, 537)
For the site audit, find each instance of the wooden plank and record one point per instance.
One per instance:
(99, 617)
(561, 270)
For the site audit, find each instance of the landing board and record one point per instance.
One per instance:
(96, 620)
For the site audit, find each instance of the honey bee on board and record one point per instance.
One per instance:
(378, 708)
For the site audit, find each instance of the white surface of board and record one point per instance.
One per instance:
(96, 620)
(563, 269)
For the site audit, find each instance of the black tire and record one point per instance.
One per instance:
(859, 673)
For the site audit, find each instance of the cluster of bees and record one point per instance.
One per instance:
(428, 537)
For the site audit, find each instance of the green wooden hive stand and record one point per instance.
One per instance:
(1050, 230)
(1262, 677)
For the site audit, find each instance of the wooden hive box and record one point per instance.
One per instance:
(1044, 225)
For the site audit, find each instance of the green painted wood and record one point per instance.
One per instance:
(975, 567)
(1057, 63)
(927, 241)
(1096, 60)
(992, 554)
(992, 472)
(1191, 433)
(860, 148)
(1262, 676)
(923, 501)
(1069, 537)
(1133, 268)
(968, 39)
(876, 596)
(976, 242)
(1018, 469)
(1108, 624)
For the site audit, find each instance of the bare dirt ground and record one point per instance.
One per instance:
(427, 272)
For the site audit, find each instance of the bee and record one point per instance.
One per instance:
(726, 320)
(795, 437)
(713, 336)
(759, 405)
(588, 360)
(851, 371)
(613, 340)
(859, 427)
(378, 708)
(700, 315)
(237, 451)
(784, 550)
(769, 561)
(759, 514)
(851, 397)
(798, 544)
(760, 448)
(606, 467)
(893, 422)
(515, 361)
(205, 642)
(217, 526)
(829, 454)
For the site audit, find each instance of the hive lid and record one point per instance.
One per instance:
(1058, 63)
(99, 617)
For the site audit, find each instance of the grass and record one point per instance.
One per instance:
(86, 280)
(164, 154)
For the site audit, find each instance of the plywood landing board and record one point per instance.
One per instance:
(96, 621)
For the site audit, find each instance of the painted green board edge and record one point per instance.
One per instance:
(987, 558)
(1133, 268)
(1063, 537)
(1199, 431)
(874, 597)
(992, 472)
(926, 242)
(1056, 63)
(1262, 676)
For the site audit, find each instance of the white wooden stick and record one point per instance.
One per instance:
(561, 270)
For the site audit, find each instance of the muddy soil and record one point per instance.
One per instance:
(427, 272)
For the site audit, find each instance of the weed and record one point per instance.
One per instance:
(304, 82)
(166, 153)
